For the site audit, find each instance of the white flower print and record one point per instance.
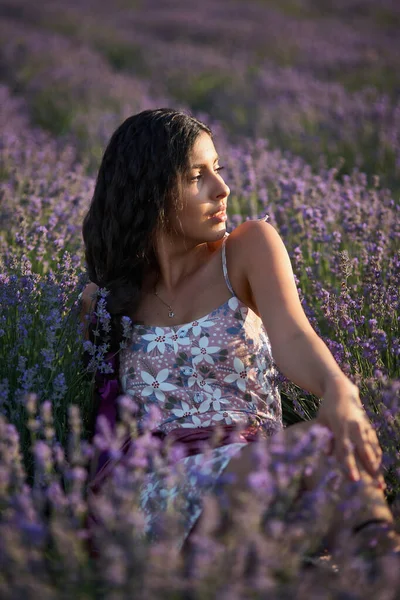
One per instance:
(204, 384)
(261, 362)
(233, 303)
(185, 411)
(198, 397)
(196, 326)
(148, 491)
(158, 339)
(262, 375)
(128, 384)
(199, 463)
(196, 422)
(176, 340)
(214, 401)
(156, 385)
(182, 332)
(240, 376)
(170, 493)
(217, 418)
(204, 351)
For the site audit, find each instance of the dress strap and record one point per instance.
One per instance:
(224, 267)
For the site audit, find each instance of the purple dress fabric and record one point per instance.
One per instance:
(216, 370)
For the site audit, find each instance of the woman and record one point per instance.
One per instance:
(209, 312)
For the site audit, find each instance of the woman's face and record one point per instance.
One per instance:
(204, 195)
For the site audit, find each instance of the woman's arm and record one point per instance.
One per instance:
(264, 275)
(298, 351)
(88, 303)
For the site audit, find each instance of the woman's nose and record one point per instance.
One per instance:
(223, 190)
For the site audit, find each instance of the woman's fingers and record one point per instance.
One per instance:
(367, 446)
(345, 455)
(361, 443)
(356, 444)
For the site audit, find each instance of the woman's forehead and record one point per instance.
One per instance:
(203, 151)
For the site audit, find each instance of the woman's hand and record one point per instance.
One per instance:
(353, 435)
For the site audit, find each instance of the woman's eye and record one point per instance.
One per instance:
(217, 169)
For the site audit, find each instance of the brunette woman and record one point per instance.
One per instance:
(214, 316)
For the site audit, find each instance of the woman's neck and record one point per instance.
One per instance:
(176, 263)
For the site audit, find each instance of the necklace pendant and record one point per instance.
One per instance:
(171, 314)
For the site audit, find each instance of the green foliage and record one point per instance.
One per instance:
(52, 111)
(198, 91)
(123, 56)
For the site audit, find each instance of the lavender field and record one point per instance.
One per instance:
(304, 100)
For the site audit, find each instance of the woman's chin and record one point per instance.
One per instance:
(219, 231)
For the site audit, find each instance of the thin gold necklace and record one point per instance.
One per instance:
(171, 313)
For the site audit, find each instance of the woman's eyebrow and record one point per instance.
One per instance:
(200, 166)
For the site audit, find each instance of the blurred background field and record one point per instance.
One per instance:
(304, 99)
(319, 79)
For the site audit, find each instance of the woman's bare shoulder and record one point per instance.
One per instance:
(252, 235)
(247, 250)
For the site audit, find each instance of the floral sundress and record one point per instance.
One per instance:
(215, 370)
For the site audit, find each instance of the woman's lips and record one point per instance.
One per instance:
(219, 216)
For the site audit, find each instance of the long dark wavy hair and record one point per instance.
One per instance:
(137, 187)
